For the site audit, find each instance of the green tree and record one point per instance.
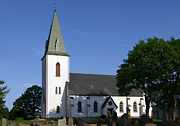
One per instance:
(4, 112)
(17, 110)
(171, 80)
(175, 73)
(166, 100)
(156, 101)
(142, 70)
(28, 104)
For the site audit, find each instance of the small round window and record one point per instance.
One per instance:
(110, 103)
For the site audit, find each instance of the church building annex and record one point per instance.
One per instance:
(67, 94)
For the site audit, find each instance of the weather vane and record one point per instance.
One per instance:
(54, 6)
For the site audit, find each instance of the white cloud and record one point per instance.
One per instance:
(32, 19)
(27, 85)
(38, 52)
(123, 45)
(77, 32)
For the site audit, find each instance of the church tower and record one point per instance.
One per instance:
(55, 74)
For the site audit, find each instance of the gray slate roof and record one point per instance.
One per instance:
(95, 84)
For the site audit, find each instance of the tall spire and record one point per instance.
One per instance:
(55, 43)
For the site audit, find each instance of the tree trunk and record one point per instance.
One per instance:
(157, 110)
(174, 107)
(147, 105)
(148, 98)
(171, 114)
(175, 100)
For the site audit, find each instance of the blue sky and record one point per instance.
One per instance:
(97, 33)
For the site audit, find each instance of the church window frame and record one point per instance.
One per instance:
(121, 107)
(58, 69)
(59, 90)
(79, 107)
(95, 106)
(134, 107)
(110, 103)
(56, 90)
(57, 109)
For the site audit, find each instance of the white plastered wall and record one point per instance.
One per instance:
(117, 100)
(88, 105)
(43, 98)
(136, 100)
(52, 81)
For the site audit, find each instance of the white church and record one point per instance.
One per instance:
(67, 94)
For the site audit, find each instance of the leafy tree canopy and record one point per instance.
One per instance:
(4, 112)
(143, 69)
(27, 104)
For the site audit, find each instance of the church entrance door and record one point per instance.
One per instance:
(109, 112)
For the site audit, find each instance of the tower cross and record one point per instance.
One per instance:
(54, 6)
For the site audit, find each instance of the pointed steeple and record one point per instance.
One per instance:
(55, 43)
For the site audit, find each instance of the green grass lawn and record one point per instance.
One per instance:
(156, 119)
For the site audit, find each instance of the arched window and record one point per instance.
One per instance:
(57, 109)
(79, 107)
(135, 107)
(121, 107)
(57, 69)
(56, 90)
(95, 107)
(59, 90)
